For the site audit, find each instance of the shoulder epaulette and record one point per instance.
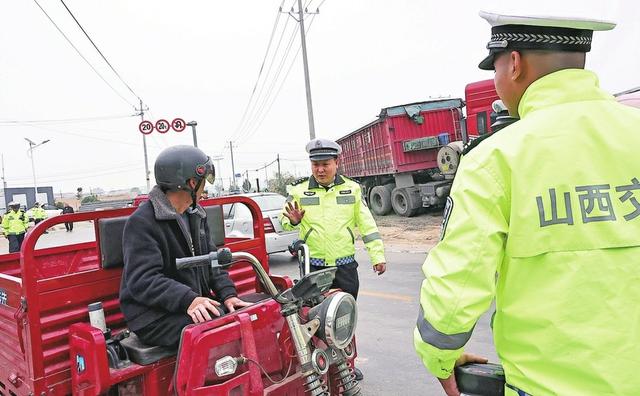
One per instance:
(299, 181)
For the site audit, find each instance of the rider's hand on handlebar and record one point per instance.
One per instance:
(294, 213)
(234, 302)
(449, 384)
(201, 307)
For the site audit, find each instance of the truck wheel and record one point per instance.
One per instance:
(403, 203)
(380, 200)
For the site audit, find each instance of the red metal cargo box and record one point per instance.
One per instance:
(404, 138)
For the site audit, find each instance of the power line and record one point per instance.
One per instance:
(254, 129)
(273, 30)
(82, 56)
(97, 49)
(265, 99)
(248, 120)
(66, 120)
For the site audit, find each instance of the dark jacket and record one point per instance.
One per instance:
(151, 287)
(67, 209)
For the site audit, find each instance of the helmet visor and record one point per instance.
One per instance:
(207, 171)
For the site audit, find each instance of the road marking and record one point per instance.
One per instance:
(389, 296)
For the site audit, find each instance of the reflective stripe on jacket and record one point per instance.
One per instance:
(330, 219)
(552, 205)
(14, 223)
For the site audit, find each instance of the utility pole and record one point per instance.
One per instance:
(233, 166)
(266, 175)
(144, 144)
(312, 128)
(32, 146)
(279, 175)
(217, 158)
(193, 124)
(4, 181)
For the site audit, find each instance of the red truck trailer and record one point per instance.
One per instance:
(406, 159)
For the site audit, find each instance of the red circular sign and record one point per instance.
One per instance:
(178, 124)
(163, 126)
(145, 127)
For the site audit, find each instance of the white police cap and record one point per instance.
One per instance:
(321, 149)
(518, 32)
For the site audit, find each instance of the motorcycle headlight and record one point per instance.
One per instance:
(338, 318)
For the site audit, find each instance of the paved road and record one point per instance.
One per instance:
(388, 308)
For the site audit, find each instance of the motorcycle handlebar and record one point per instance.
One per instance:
(214, 259)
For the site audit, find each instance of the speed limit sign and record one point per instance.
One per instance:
(178, 124)
(162, 126)
(145, 127)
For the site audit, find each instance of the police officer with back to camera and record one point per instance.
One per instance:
(551, 204)
(157, 300)
(326, 208)
(15, 224)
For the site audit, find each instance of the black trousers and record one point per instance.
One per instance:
(167, 330)
(15, 242)
(68, 226)
(346, 278)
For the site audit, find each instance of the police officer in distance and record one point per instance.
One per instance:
(552, 205)
(326, 208)
(15, 224)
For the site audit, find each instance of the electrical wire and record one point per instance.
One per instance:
(267, 374)
(265, 99)
(82, 56)
(66, 120)
(273, 30)
(264, 116)
(97, 49)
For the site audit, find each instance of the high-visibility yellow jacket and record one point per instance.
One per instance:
(552, 205)
(38, 213)
(14, 223)
(331, 216)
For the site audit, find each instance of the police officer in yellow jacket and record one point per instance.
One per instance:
(14, 225)
(38, 213)
(551, 204)
(327, 208)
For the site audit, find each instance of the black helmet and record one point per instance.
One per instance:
(177, 164)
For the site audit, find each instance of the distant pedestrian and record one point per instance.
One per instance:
(65, 210)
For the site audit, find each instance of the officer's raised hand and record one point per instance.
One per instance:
(294, 213)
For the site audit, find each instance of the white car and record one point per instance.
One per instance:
(50, 210)
(238, 222)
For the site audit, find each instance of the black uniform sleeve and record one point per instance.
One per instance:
(143, 270)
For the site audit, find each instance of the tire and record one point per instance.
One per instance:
(403, 203)
(380, 200)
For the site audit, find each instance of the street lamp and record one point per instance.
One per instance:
(193, 124)
(32, 146)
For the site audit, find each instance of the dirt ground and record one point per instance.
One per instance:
(412, 234)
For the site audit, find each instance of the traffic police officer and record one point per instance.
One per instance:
(326, 208)
(551, 204)
(15, 224)
(38, 213)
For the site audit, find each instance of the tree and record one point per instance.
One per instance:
(89, 199)
(280, 186)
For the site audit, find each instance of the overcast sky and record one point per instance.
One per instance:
(199, 60)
